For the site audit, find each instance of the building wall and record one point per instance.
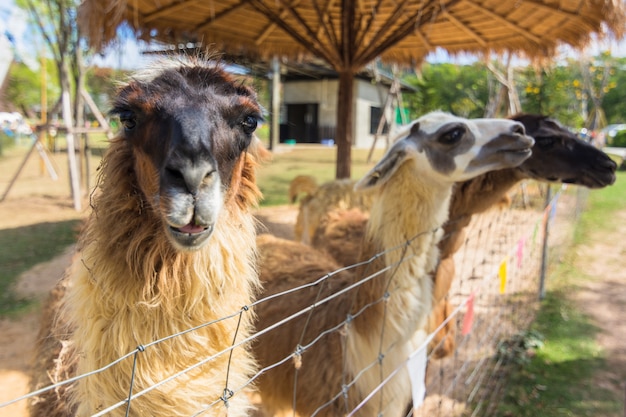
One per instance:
(324, 92)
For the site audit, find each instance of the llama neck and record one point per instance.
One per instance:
(411, 210)
(479, 194)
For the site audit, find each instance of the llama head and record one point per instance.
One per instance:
(191, 126)
(559, 155)
(443, 147)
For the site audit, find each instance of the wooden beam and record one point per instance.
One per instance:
(424, 14)
(208, 22)
(393, 19)
(370, 20)
(464, 28)
(309, 42)
(267, 30)
(419, 34)
(170, 8)
(325, 23)
(505, 22)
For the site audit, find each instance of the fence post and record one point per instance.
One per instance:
(544, 247)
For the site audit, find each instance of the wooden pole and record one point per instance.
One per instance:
(345, 123)
(275, 126)
(96, 112)
(544, 248)
(71, 150)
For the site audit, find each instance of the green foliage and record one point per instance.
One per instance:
(24, 86)
(461, 90)
(619, 139)
(614, 101)
(24, 247)
(555, 91)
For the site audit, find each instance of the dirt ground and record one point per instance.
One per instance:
(36, 198)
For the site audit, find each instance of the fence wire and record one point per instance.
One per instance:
(470, 381)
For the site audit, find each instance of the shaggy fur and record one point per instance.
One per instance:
(338, 194)
(133, 281)
(302, 184)
(410, 201)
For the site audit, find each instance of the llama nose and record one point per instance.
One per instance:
(194, 177)
(518, 129)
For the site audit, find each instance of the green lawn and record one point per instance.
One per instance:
(23, 248)
(556, 382)
(319, 161)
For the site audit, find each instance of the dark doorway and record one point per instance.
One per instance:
(301, 124)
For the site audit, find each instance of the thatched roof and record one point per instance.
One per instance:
(350, 33)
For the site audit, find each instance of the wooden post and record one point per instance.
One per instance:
(544, 248)
(71, 150)
(96, 112)
(275, 126)
(345, 123)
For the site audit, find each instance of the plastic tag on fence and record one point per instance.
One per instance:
(502, 275)
(520, 252)
(417, 373)
(468, 319)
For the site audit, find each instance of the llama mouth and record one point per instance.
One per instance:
(190, 229)
(190, 236)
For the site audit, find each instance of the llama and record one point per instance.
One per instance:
(301, 184)
(558, 156)
(169, 245)
(413, 183)
(338, 194)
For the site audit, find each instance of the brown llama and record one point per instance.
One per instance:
(558, 156)
(413, 183)
(169, 246)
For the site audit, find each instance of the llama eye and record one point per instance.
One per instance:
(127, 119)
(451, 137)
(249, 124)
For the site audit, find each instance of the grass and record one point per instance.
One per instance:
(24, 247)
(557, 380)
(318, 161)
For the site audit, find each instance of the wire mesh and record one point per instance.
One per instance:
(497, 276)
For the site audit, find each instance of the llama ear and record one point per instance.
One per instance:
(386, 167)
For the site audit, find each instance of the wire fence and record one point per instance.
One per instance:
(493, 300)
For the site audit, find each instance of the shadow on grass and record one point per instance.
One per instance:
(23, 248)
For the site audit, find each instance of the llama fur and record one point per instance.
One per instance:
(410, 204)
(559, 156)
(129, 284)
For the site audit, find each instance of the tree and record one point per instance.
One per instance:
(24, 87)
(57, 23)
(614, 101)
(462, 90)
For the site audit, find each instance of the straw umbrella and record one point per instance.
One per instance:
(348, 34)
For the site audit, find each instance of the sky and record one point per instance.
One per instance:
(128, 53)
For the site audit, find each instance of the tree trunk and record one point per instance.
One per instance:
(345, 130)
